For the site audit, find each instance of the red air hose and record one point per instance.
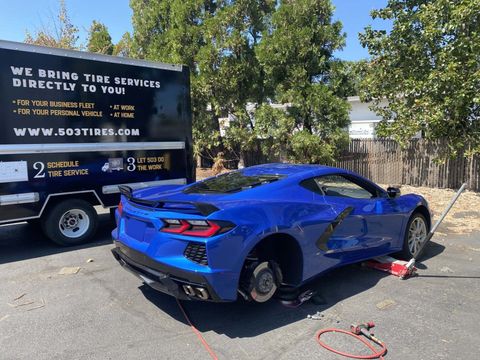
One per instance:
(377, 354)
(198, 333)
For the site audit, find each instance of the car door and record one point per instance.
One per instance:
(366, 222)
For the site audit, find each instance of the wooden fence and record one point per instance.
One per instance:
(383, 161)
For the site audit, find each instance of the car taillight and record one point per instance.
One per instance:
(175, 226)
(120, 208)
(201, 228)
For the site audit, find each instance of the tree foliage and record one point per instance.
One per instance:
(60, 34)
(297, 55)
(125, 46)
(253, 52)
(230, 70)
(346, 76)
(428, 71)
(173, 32)
(99, 39)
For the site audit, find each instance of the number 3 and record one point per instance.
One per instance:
(131, 164)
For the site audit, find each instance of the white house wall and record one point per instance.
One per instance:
(363, 120)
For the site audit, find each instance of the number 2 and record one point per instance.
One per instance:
(40, 166)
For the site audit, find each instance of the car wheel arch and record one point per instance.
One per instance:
(422, 209)
(285, 250)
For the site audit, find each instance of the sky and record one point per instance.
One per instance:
(17, 16)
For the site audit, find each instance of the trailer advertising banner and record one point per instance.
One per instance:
(74, 121)
(54, 99)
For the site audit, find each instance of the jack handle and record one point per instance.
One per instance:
(411, 263)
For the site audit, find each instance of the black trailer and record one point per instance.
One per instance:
(75, 125)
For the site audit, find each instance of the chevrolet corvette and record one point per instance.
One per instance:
(252, 231)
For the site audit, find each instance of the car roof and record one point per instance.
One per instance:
(290, 169)
(296, 172)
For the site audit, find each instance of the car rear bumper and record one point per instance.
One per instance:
(162, 277)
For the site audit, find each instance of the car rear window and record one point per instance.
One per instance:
(231, 182)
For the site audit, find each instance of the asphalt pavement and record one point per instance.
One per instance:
(78, 303)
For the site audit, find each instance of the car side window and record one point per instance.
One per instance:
(337, 185)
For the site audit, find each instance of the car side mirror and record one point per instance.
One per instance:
(393, 192)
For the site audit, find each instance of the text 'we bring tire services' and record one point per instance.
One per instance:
(74, 126)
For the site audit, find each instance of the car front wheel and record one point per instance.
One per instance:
(415, 235)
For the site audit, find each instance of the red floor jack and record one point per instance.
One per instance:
(404, 269)
(399, 268)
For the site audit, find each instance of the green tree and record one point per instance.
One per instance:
(99, 39)
(427, 69)
(61, 34)
(216, 39)
(170, 31)
(252, 52)
(274, 127)
(125, 46)
(297, 55)
(345, 77)
(229, 68)
(173, 32)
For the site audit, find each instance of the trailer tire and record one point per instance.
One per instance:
(70, 222)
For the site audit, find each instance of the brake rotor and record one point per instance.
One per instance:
(264, 281)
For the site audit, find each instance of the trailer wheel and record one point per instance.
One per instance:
(70, 222)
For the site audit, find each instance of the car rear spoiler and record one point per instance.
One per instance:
(203, 208)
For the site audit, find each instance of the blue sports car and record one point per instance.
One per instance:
(251, 231)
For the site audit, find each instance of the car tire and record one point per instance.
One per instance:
(70, 222)
(416, 233)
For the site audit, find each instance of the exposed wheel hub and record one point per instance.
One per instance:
(264, 280)
(70, 221)
(74, 223)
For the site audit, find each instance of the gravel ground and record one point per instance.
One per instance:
(464, 218)
(97, 310)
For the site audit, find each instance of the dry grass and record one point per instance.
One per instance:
(463, 218)
(203, 173)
